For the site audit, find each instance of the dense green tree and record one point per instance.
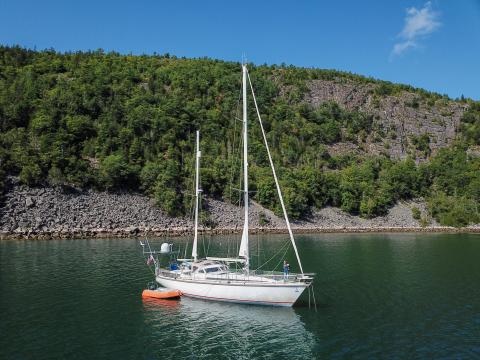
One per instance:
(266, 192)
(80, 126)
(31, 173)
(401, 179)
(471, 123)
(296, 202)
(167, 188)
(149, 175)
(115, 172)
(453, 210)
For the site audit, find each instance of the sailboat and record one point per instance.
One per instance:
(213, 278)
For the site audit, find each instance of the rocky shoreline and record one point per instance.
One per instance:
(65, 213)
(127, 233)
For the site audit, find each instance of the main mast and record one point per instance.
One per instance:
(244, 243)
(197, 194)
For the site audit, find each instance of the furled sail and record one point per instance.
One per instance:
(243, 252)
(197, 194)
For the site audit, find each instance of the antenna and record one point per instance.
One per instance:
(244, 59)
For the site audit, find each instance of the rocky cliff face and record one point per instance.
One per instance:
(399, 121)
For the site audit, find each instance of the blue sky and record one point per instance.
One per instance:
(430, 44)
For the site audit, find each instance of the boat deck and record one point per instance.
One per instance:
(269, 277)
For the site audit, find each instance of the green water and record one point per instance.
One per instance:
(399, 296)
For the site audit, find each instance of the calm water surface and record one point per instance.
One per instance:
(379, 296)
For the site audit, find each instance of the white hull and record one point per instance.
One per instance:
(275, 294)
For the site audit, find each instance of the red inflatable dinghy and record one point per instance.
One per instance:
(161, 293)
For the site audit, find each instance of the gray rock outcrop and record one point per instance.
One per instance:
(397, 119)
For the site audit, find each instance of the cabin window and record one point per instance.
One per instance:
(213, 269)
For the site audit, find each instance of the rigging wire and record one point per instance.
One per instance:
(282, 257)
(287, 245)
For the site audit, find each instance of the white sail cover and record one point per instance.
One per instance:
(197, 192)
(243, 252)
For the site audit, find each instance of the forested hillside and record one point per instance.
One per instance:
(122, 122)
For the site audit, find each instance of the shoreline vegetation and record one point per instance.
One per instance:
(112, 124)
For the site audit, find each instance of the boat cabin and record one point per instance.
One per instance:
(207, 267)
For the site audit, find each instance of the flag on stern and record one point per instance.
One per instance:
(150, 260)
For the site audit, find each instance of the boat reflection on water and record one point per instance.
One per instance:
(152, 304)
(199, 328)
